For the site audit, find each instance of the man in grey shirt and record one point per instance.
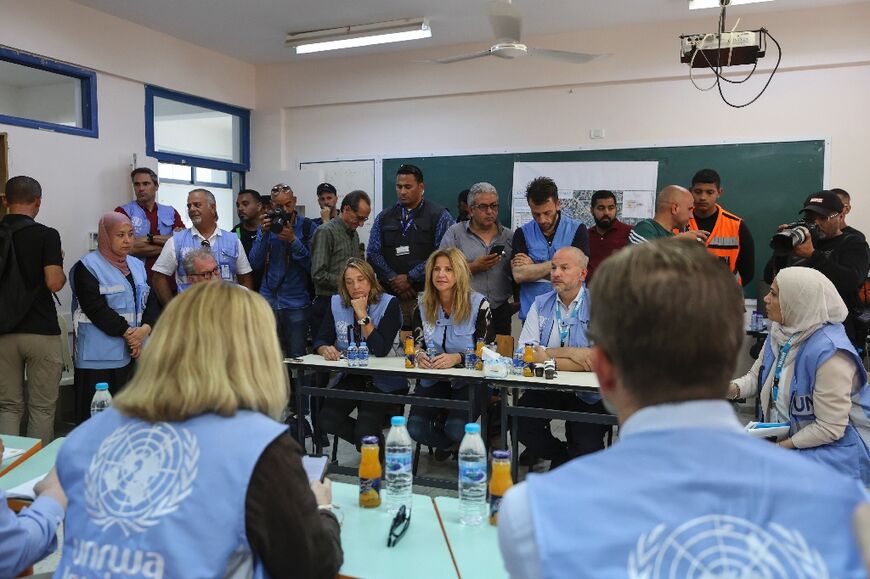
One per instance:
(487, 245)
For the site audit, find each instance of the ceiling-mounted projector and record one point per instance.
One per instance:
(722, 49)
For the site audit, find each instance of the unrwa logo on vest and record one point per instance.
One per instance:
(724, 546)
(802, 406)
(141, 473)
(137, 222)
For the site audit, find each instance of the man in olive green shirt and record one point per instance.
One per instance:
(333, 244)
(673, 211)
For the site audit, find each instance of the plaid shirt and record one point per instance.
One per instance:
(333, 243)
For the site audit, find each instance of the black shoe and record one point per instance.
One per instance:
(323, 440)
(442, 454)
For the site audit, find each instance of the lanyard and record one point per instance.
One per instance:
(777, 371)
(564, 327)
(408, 218)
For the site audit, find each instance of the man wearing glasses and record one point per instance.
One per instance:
(402, 238)
(204, 232)
(334, 243)
(844, 259)
(284, 253)
(201, 265)
(486, 244)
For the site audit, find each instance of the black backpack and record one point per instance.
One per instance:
(15, 298)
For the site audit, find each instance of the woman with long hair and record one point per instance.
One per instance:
(449, 318)
(810, 376)
(190, 474)
(360, 311)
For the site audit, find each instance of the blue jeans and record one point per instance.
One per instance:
(293, 335)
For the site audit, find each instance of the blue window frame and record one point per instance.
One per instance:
(197, 176)
(85, 99)
(237, 160)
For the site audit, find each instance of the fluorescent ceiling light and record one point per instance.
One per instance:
(359, 35)
(701, 4)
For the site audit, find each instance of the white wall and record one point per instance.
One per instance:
(393, 105)
(83, 177)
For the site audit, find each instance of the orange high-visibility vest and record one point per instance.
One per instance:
(724, 240)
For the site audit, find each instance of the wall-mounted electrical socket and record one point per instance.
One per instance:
(92, 240)
(596, 133)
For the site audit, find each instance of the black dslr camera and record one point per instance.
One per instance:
(783, 242)
(278, 218)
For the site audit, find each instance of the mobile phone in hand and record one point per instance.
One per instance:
(497, 250)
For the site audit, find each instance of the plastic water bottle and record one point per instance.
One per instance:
(362, 355)
(517, 369)
(470, 358)
(472, 477)
(352, 355)
(102, 398)
(430, 351)
(398, 462)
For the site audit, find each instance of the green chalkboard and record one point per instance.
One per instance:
(765, 183)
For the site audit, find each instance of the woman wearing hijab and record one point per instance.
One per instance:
(810, 375)
(110, 321)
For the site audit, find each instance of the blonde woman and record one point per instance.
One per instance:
(189, 474)
(449, 319)
(361, 310)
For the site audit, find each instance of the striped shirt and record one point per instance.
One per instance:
(647, 230)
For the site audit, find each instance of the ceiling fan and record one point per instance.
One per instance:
(506, 25)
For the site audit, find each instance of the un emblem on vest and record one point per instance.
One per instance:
(724, 546)
(141, 473)
(137, 222)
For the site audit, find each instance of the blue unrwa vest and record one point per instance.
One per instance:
(141, 225)
(93, 348)
(459, 337)
(346, 318)
(161, 500)
(541, 251)
(225, 251)
(547, 304)
(694, 502)
(849, 455)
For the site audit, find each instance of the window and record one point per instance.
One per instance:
(176, 181)
(43, 94)
(187, 130)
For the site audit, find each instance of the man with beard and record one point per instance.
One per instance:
(204, 232)
(729, 238)
(609, 233)
(843, 259)
(327, 199)
(249, 209)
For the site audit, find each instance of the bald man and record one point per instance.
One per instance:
(556, 325)
(673, 211)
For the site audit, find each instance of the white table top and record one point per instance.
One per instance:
(586, 381)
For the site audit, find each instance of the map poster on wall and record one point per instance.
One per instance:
(632, 182)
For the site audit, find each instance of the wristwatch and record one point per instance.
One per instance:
(151, 238)
(365, 321)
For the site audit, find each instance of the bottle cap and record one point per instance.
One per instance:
(501, 454)
(397, 421)
(369, 439)
(472, 428)
(102, 386)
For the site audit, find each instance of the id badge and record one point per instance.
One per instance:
(225, 272)
(403, 250)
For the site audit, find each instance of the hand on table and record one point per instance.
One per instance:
(50, 487)
(329, 353)
(322, 491)
(442, 361)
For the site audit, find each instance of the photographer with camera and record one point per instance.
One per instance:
(282, 249)
(818, 242)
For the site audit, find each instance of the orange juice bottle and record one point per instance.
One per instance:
(528, 360)
(370, 474)
(478, 352)
(409, 352)
(499, 483)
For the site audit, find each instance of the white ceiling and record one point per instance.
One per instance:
(254, 30)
